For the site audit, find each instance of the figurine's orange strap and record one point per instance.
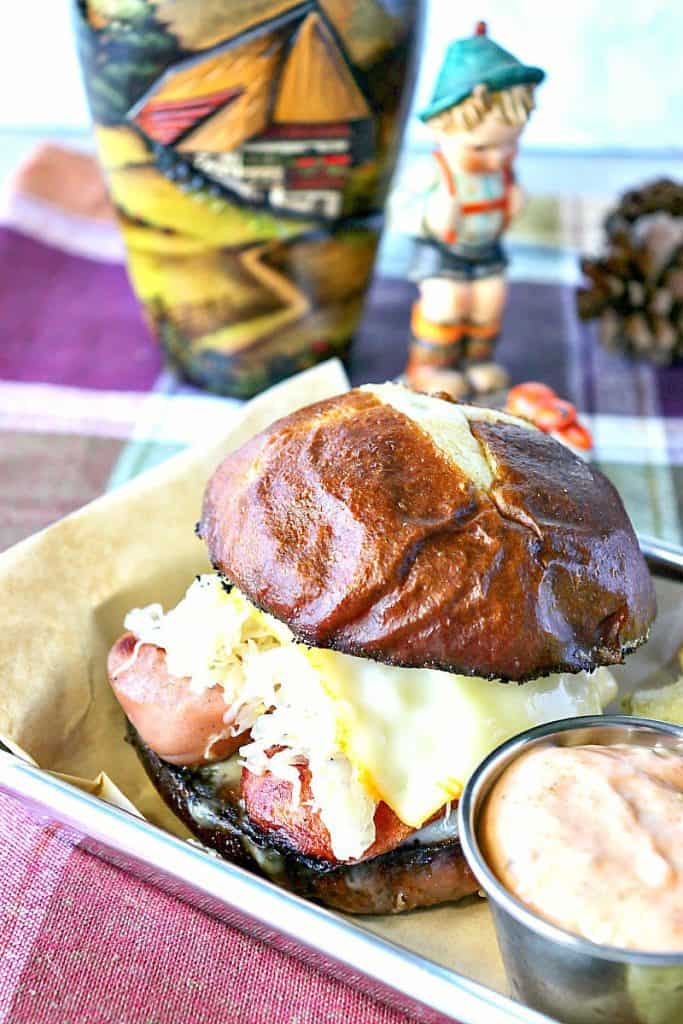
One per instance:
(485, 206)
(448, 178)
(508, 182)
(450, 235)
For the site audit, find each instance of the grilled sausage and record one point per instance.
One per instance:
(181, 726)
(268, 802)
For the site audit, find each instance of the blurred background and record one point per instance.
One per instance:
(78, 361)
(609, 114)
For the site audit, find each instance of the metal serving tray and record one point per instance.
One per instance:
(323, 939)
(64, 595)
(348, 948)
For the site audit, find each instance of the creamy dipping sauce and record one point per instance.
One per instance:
(591, 839)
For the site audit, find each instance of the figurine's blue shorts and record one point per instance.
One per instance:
(460, 262)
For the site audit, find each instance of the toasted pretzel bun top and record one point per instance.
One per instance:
(419, 532)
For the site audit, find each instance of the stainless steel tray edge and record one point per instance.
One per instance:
(384, 970)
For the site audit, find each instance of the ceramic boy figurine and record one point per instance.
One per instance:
(481, 103)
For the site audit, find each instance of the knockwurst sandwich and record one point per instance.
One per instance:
(390, 567)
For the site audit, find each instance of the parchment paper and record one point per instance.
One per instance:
(65, 591)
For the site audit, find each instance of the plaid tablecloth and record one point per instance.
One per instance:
(85, 404)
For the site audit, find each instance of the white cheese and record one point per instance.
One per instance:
(368, 731)
(416, 735)
(448, 425)
(437, 831)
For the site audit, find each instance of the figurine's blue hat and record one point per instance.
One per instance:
(477, 60)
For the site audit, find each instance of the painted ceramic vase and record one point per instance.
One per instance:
(248, 146)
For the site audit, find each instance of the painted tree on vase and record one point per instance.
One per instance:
(482, 100)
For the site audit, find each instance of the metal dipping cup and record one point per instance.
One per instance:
(563, 975)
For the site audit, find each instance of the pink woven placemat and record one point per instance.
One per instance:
(82, 942)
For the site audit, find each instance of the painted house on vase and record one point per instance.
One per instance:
(278, 119)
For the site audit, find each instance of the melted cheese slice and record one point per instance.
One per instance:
(415, 735)
(448, 425)
(369, 732)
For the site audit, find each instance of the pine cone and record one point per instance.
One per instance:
(635, 289)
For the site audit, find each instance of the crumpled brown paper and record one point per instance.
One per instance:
(64, 594)
(65, 591)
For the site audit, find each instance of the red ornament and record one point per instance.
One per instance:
(554, 414)
(539, 404)
(577, 436)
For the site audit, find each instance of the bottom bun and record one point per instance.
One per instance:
(207, 800)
